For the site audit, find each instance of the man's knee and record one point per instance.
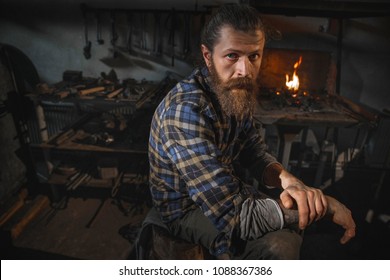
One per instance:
(279, 245)
(284, 245)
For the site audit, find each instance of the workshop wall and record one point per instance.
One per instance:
(51, 33)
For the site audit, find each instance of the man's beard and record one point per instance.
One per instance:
(236, 96)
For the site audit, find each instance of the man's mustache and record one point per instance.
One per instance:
(240, 83)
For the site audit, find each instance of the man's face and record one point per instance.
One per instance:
(234, 66)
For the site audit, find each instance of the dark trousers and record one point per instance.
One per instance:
(195, 227)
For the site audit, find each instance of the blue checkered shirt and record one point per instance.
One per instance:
(192, 148)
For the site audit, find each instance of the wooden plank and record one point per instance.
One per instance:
(40, 204)
(14, 208)
(114, 93)
(91, 90)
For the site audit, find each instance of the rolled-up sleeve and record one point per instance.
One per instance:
(259, 216)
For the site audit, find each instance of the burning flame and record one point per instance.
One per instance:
(293, 84)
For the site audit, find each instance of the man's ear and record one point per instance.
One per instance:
(206, 55)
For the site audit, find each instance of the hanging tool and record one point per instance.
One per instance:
(144, 44)
(129, 32)
(99, 38)
(139, 48)
(157, 36)
(87, 47)
(171, 40)
(187, 32)
(114, 35)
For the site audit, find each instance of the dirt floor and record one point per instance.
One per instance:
(90, 229)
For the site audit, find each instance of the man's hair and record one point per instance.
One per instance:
(240, 17)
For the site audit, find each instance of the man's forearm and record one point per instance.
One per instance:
(291, 216)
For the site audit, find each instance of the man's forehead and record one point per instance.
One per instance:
(230, 35)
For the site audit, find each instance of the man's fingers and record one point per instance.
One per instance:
(291, 195)
(311, 200)
(348, 234)
(343, 217)
(286, 200)
(311, 203)
(303, 212)
(324, 202)
(321, 205)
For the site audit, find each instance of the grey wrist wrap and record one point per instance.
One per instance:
(259, 216)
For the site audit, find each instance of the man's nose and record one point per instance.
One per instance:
(242, 67)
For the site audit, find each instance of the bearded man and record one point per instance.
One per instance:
(202, 128)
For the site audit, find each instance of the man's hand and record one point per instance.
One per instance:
(342, 216)
(337, 212)
(310, 202)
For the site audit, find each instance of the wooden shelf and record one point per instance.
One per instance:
(88, 148)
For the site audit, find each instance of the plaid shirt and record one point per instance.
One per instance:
(192, 147)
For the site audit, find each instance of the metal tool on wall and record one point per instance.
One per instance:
(143, 39)
(157, 35)
(146, 40)
(87, 46)
(181, 26)
(171, 22)
(116, 57)
(139, 47)
(99, 38)
(186, 35)
(136, 24)
(129, 17)
(114, 34)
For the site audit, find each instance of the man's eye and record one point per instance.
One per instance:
(232, 56)
(254, 57)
